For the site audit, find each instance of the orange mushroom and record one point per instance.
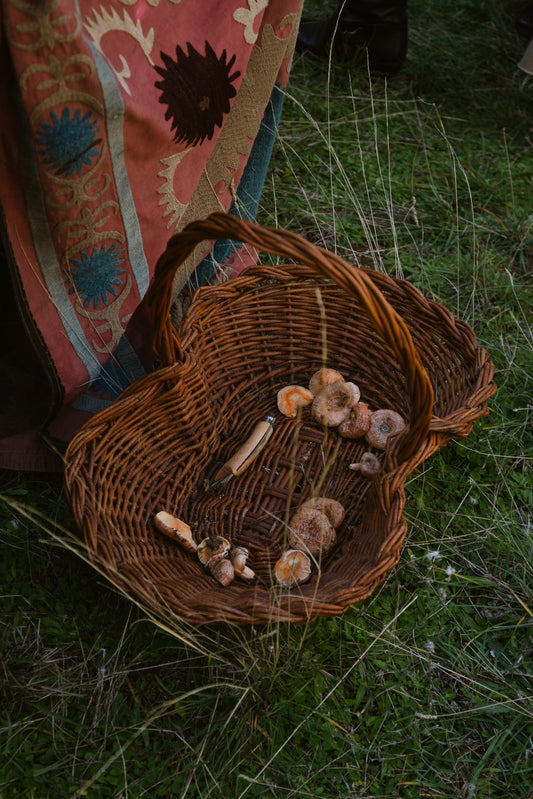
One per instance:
(291, 398)
(292, 568)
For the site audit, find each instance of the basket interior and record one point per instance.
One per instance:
(164, 440)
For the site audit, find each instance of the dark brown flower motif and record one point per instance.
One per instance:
(197, 91)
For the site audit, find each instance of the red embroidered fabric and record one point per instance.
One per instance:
(122, 121)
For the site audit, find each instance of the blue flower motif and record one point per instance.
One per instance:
(69, 143)
(95, 274)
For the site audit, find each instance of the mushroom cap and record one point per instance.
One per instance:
(369, 465)
(330, 507)
(357, 423)
(333, 403)
(221, 568)
(311, 531)
(290, 398)
(176, 529)
(209, 547)
(292, 568)
(238, 557)
(323, 377)
(383, 424)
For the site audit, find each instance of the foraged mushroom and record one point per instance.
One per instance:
(311, 531)
(369, 465)
(221, 568)
(239, 556)
(323, 378)
(176, 529)
(291, 398)
(214, 545)
(246, 574)
(357, 423)
(332, 405)
(383, 424)
(332, 509)
(292, 568)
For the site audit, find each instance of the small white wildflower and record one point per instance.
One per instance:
(432, 555)
(429, 646)
(442, 594)
(449, 571)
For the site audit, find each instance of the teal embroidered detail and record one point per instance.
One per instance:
(67, 144)
(95, 275)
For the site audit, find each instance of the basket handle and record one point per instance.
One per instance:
(356, 282)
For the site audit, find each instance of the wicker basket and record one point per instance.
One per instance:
(166, 436)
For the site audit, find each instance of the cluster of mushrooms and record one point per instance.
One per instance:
(336, 402)
(222, 560)
(312, 530)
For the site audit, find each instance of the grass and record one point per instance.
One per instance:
(424, 689)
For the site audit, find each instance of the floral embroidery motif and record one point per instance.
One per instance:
(67, 144)
(104, 22)
(246, 17)
(95, 275)
(197, 90)
(168, 198)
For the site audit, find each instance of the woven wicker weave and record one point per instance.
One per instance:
(158, 444)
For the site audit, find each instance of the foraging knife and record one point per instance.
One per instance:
(246, 453)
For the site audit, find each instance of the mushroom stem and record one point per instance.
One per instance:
(369, 465)
(176, 529)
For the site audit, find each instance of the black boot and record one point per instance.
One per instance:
(376, 26)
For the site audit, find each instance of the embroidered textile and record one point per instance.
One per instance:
(122, 121)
